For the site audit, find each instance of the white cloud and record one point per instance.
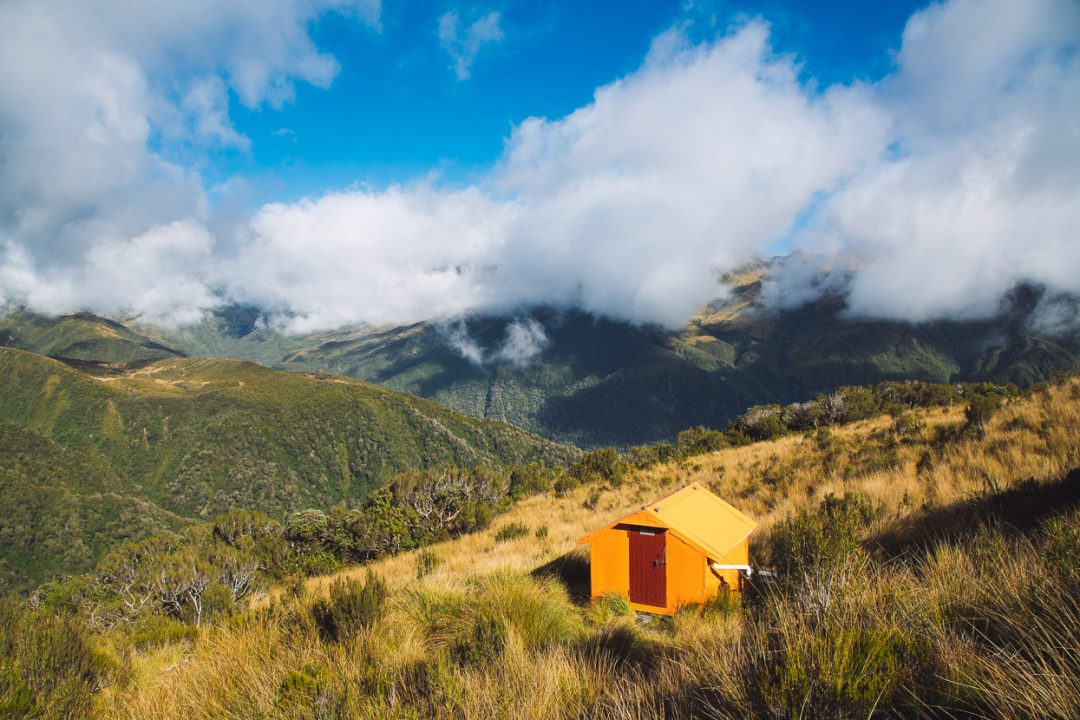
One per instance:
(525, 339)
(396, 256)
(457, 336)
(627, 207)
(105, 106)
(983, 190)
(156, 273)
(464, 44)
(930, 193)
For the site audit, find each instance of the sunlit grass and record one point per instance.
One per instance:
(984, 625)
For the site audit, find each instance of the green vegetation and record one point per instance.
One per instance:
(82, 338)
(601, 382)
(49, 667)
(95, 460)
(511, 531)
(351, 607)
(889, 603)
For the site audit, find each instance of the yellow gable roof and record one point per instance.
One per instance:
(699, 516)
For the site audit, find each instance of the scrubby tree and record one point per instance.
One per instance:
(981, 408)
(602, 464)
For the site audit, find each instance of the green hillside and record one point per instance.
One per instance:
(80, 338)
(63, 508)
(185, 438)
(602, 382)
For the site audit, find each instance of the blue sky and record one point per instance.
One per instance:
(396, 110)
(355, 161)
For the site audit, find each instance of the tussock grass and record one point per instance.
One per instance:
(967, 616)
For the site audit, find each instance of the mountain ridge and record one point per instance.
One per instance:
(597, 381)
(193, 437)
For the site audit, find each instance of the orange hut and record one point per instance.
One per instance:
(683, 549)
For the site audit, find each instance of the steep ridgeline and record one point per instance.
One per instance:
(597, 382)
(89, 460)
(82, 339)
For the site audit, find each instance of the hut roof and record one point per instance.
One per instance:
(697, 515)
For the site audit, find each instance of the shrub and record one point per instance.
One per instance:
(312, 561)
(804, 416)
(823, 539)
(908, 424)
(294, 586)
(699, 441)
(763, 422)
(511, 531)
(603, 464)
(644, 457)
(530, 479)
(592, 501)
(306, 526)
(352, 605)
(840, 670)
(152, 631)
(48, 666)
(981, 409)
(565, 484)
(311, 692)
(426, 562)
(725, 603)
(481, 641)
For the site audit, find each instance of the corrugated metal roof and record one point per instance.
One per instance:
(699, 516)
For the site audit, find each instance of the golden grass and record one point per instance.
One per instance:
(706, 666)
(1029, 438)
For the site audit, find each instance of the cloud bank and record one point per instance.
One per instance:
(934, 190)
(106, 110)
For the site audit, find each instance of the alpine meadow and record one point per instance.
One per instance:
(539, 360)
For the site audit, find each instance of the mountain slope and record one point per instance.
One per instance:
(945, 595)
(597, 381)
(197, 437)
(80, 338)
(63, 508)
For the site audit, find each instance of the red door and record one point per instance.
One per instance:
(648, 567)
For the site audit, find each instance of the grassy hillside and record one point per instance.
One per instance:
(941, 580)
(600, 382)
(63, 508)
(82, 337)
(193, 438)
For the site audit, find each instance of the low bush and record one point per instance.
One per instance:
(511, 531)
(152, 631)
(49, 667)
(601, 465)
(480, 640)
(426, 562)
(820, 540)
(351, 606)
(644, 457)
(981, 408)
